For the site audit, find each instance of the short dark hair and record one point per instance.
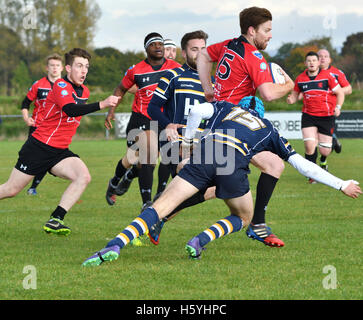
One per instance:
(76, 52)
(311, 53)
(199, 34)
(152, 35)
(253, 17)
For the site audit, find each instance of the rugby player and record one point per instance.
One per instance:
(38, 93)
(325, 64)
(46, 149)
(242, 70)
(251, 135)
(319, 110)
(178, 90)
(170, 49)
(145, 75)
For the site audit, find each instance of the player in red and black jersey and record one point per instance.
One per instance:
(325, 64)
(47, 147)
(38, 93)
(146, 75)
(319, 109)
(241, 71)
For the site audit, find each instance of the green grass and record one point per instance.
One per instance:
(319, 225)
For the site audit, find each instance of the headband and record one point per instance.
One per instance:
(153, 39)
(169, 43)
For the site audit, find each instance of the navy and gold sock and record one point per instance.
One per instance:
(221, 228)
(136, 228)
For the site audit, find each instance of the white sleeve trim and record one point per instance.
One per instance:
(313, 171)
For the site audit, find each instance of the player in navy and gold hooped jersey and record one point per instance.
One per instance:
(251, 135)
(38, 93)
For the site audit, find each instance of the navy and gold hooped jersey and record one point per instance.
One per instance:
(178, 90)
(245, 131)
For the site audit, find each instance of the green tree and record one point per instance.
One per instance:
(11, 51)
(21, 78)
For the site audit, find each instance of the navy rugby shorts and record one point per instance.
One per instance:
(204, 171)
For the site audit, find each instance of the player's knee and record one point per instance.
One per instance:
(12, 191)
(274, 168)
(84, 178)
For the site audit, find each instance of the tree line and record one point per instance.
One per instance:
(30, 30)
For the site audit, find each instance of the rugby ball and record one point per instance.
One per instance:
(276, 73)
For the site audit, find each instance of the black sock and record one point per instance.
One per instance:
(163, 174)
(119, 173)
(312, 157)
(146, 174)
(58, 213)
(133, 173)
(37, 179)
(193, 200)
(265, 187)
(322, 158)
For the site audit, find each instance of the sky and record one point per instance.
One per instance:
(124, 24)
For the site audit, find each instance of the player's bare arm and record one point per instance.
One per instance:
(293, 97)
(119, 92)
(340, 100)
(204, 67)
(271, 91)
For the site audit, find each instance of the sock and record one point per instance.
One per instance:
(146, 174)
(221, 228)
(163, 174)
(58, 213)
(136, 228)
(133, 173)
(192, 201)
(323, 160)
(119, 173)
(312, 157)
(265, 187)
(37, 179)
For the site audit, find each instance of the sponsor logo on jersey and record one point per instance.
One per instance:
(257, 54)
(263, 66)
(64, 93)
(62, 84)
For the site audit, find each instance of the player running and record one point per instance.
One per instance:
(325, 64)
(241, 70)
(38, 93)
(47, 148)
(319, 109)
(240, 134)
(145, 75)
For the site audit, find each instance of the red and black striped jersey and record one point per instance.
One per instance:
(146, 77)
(57, 129)
(240, 71)
(38, 93)
(317, 93)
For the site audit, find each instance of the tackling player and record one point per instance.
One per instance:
(178, 91)
(242, 70)
(38, 93)
(145, 75)
(251, 135)
(47, 148)
(325, 64)
(319, 110)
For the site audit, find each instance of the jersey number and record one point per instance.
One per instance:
(227, 68)
(245, 118)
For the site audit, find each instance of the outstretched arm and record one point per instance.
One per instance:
(309, 169)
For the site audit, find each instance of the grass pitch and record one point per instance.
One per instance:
(322, 230)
